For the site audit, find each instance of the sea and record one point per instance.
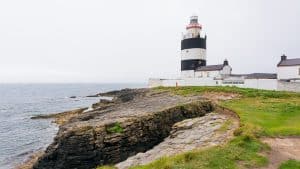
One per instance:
(21, 136)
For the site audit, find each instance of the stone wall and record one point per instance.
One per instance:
(288, 86)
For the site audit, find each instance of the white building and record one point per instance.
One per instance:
(288, 72)
(214, 71)
(288, 69)
(195, 72)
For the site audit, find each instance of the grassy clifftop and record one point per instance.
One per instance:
(272, 113)
(262, 113)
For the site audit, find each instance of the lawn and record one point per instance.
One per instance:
(262, 113)
(272, 113)
(273, 116)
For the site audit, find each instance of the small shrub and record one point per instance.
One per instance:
(116, 128)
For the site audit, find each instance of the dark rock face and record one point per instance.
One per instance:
(87, 146)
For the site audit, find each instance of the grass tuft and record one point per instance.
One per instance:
(116, 128)
(290, 164)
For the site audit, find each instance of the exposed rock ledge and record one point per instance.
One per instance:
(135, 122)
(201, 132)
(63, 117)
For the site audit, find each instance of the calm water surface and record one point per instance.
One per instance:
(19, 135)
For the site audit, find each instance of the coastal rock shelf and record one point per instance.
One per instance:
(135, 121)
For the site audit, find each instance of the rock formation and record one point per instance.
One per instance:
(185, 136)
(137, 121)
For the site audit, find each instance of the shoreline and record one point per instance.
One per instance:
(60, 119)
(30, 161)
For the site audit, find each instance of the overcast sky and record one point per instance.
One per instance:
(132, 40)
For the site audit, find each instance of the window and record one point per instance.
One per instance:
(207, 74)
(233, 82)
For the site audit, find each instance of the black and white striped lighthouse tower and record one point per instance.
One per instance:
(193, 49)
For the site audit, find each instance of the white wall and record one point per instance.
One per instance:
(226, 70)
(212, 74)
(187, 73)
(288, 72)
(267, 84)
(289, 86)
(152, 82)
(204, 74)
(183, 82)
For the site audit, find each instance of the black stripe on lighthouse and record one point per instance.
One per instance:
(192, 64)
(193, 43)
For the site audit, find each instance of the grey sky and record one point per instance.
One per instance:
(132, 40)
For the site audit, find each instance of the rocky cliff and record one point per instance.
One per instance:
(135, 121)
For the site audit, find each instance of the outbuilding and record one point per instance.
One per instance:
(214, 71)
(288, 69)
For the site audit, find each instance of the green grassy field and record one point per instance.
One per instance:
(273, 116)
(262, 113)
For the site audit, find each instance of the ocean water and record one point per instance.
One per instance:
(20, 136)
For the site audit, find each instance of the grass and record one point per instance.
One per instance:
(107, 167)
(274, 116)
(240, 152)
(116, 128)
(245, 92)
(245, 155)
(272, 113)
(262, 113)
(290, 164)
(225, 126)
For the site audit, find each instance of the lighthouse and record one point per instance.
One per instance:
(193, 49)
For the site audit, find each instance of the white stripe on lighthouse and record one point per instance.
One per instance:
(194, 53)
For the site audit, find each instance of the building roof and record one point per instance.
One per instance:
(261, 76)
(289, 62)
(210, 68)
(256, 75)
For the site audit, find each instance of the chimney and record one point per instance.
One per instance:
(283, 57)
(225, 62)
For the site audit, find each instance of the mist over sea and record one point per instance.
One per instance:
(20, 136)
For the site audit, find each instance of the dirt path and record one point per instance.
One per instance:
(282, 149)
